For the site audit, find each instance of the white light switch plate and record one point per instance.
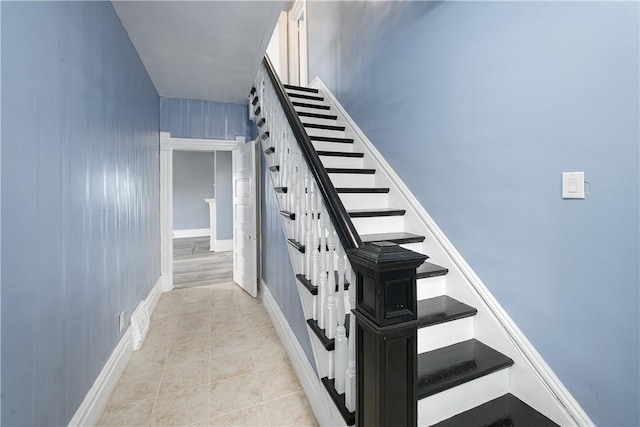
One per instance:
(573, 185)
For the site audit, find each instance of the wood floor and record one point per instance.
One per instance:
(195, 265)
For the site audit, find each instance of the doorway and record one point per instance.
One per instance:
(288, 46)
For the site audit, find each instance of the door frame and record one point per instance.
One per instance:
(297, 53)
(167, 147)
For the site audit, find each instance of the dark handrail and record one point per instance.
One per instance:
(345, 229)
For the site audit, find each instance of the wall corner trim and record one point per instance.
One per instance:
(96, 399)
(323, 409)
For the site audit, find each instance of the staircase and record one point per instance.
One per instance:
(461, 381)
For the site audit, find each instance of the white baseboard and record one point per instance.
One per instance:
(223, 245)
(195, 232)
(323, 408)
(96, 399)
(540, 369)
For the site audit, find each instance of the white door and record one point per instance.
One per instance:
(245, 266)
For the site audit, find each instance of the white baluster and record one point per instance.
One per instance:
(315, 257)
(322, 298)
(341, 354)
(331, 323)
(350, 380)
(308, 222)
(322, 288)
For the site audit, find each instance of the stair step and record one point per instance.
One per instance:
(442, 309)
(255, 101)
(313, 289)
(281, 190)
(290, 215)
(264, 136)
(257, 111)
(253, 90)
(428, 269)
(299, 246)
(301, 88)
(318, 115)
(505, 411)
(398, 238)
(329, 344)
(270, 150)
(261, 122)
(307, 105)
(368, 190)
(331, 139)
(351, 170)
(339, 154)
(303, 96)
(448, 367)
(367, 213)
(275, 168)
(339, 401)
(321, 126)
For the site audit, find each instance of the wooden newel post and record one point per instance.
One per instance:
(386, 334)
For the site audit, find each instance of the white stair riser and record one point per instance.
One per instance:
(364, 200)
(341, 162)
(332, 146)
(444, 334)
(446, 404)
(318, 120)
(416, 247)
(301, 92)
(382, 224)
(312, 110)
(352, 179)
(431, 287)
(324, 132)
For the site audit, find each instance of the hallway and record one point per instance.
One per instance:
(211, 357)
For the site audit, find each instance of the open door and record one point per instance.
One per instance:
(245, 266)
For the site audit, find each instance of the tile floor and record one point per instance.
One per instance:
(211, 358)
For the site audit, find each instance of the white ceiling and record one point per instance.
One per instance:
(201, 50)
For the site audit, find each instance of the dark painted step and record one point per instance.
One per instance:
(339, 401)
(275, 168)
(320, 126)
(257, 111)
(317, 115)
(301, 88)
(261, 122)
(290, 215)
(331, 139)
(367, 213)
(504, 411)
(264, 136)
(357, 190)
(399, 238)
(428, 269)
(253, 90)
(339, 154)
(328, 344)
(307, 105)
(351, 170)
(270, 150)
(451, 366)
(255, 101)
(281, 190)
(313, 289)
(299, 246)
(303, 96)
(442, 309)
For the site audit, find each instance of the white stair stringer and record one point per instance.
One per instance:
(530, 379)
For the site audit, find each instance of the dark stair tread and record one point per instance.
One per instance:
(328, 344)
(331, 139)
(351, 170)
(264, 136)
(428, 269)
(450, 366)
(442, 309)
(318, 115)
(301, 88)
(307, 105)
(275, 168)
(253, 90)
(339, 154)
(366, 213)
(348, 190)
(303, 96)
(270, 150)
(339, 401)
(504, 411)
(261, 122)
(299, 246)
(257, 111)
(280, 190)
(400, 238)
(313, 289)
(321, 126)
(290, 215)
(255, 101)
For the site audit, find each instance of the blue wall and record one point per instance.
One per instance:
(224, 196)
(193, 179)
(80, 199)
(479, 106)
(275, 265)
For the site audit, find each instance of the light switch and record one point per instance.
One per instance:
(573, 185)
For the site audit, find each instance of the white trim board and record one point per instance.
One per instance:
(565, 402)
(323, 408)
(224, 245)
(96, 399)
(194, 232)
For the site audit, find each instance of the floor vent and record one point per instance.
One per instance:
(140, 324)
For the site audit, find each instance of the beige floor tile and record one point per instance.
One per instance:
(134, 386)
(182, 408)
(190, 352)
(148, 358)
(250, 417)
(182, 377)
(291, 410)
(134, 413)
(234, 394)
(277, 381)
(231, 365)
(269, 354)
